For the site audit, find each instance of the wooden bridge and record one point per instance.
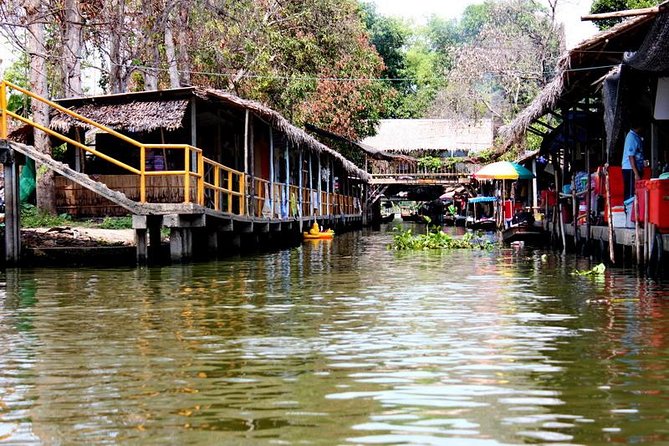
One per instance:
(203, 198)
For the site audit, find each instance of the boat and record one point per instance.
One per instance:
(477, 218)
(388, 218)
(324, 235)
(531, 235)
(315, 233)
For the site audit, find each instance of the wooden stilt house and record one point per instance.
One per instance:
(244, 158)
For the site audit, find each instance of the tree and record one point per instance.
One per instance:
(509, 51)
(602, 6)
(35, 14)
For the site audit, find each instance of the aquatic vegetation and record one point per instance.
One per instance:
(437, 239)
(596, 271)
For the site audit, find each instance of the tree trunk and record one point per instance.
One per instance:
(173, 69)
(183, 42)
(46, 199)
(72, 46)
(116, 76)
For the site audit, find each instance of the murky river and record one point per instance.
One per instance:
(341, 342)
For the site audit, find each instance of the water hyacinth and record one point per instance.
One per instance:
(437, 239)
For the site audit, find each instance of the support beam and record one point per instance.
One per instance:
(142, 245)
(12, 206)
(271, 171)
(286, 195)
(311, 186)
(622, 14)
(320, 186)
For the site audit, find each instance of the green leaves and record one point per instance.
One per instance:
(436, 239)
(595, 271)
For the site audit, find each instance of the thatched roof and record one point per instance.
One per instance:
(294, 134)
(410, 135)
(579, 72)
(151, 110)
(135, 116)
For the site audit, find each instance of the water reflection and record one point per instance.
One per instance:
(333, 342)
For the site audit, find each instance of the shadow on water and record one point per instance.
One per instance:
(341, 341)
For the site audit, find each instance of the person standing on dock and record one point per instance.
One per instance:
(633, 159)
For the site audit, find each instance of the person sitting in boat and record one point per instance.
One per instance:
(315, 230)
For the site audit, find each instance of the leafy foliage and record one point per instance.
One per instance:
(503, 53)
(116, 223)
(602, 6)
(430, 163)
(437, 239)
(32, 217)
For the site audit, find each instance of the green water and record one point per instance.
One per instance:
(336, 342)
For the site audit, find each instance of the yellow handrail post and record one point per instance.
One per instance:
(200, 178)
(217, 187)
(187, 175)
(3, 107)
(242, 194)
(230, 191)
(142, 174)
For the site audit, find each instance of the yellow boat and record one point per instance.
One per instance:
(315, 233)
(325, 235)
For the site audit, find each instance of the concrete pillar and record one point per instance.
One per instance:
(155, 238)
(212, 242)
(181, 244)
(142, 246)
(12, 205)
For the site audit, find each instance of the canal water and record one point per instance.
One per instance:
(336, 342)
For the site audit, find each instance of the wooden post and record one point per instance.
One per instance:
(311, 186)
(649, 235)
(251, 206)
(535, 203)
(574, 203)
(637, 233)
(612, 255)
(588, 198)
(246, 159)
(320, 186)
(300, 185)
(286, 198)
(271, 171)
(328, 210)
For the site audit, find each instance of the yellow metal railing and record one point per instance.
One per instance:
(187, 172)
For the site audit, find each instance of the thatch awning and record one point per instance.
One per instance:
(135, 116)
(294, 134)
(580, 71)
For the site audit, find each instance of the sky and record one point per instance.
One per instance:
(568, 12)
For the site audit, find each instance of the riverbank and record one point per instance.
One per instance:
(76, 236)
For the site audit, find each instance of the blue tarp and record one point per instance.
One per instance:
(482, 199)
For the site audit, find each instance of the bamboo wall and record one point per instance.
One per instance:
(76, 200)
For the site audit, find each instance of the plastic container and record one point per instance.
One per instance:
(640, 193)
(619, 216)
(629, 213)
(658, 206)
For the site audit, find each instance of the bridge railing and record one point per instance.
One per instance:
(413, 171)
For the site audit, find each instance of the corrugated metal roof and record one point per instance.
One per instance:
(405, 135)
